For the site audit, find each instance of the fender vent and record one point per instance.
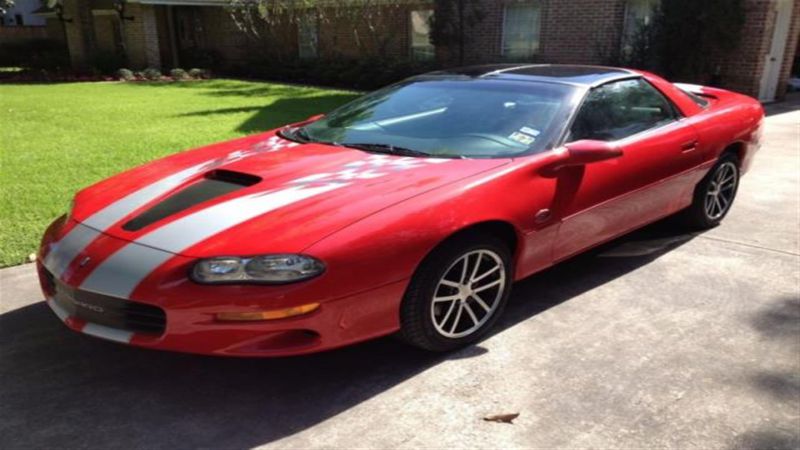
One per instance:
(215, 184)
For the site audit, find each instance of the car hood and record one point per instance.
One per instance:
(261, 194)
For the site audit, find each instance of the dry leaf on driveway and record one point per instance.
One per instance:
(502, 418)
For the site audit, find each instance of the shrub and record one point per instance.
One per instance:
(179, 75)
(152, 74)
(125, 75)
(199, 74)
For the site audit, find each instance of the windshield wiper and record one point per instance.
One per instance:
(295, 134)
(386, 148)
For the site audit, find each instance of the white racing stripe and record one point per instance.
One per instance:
(64, 251)
(104, 332)
(60, 312)
(119, 275)
(116, 211)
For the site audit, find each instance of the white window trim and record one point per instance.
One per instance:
(503, 29)
(411, 33)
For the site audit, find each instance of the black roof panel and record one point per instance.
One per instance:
(571, 74)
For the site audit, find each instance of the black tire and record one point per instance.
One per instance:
(698, 216)
(417, 310)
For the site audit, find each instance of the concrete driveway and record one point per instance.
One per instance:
(659, 339)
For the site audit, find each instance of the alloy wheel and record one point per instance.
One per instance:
(721, 190)
(468, 293)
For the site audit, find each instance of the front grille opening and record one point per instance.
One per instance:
(215, 184)
(109, 311)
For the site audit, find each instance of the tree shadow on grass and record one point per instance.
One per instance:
(283, 103)
(280, 112)
(62, 389)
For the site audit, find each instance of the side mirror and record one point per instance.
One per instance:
(583, 152)
(587, 151)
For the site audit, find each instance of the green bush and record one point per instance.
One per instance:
(152, 74)
(126, 75)
(179, 75)
(199, 74)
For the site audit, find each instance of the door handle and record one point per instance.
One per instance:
(689, 146)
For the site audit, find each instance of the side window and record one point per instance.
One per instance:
(620, 109)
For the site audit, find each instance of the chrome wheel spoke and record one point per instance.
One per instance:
(464, 268)
(717, 204)
(476, 267)
(457, 319)
(449, 311)
(470, 313)
(449, 283)
(480, 301)
(488, 286)
(486, 274)
(447, 298)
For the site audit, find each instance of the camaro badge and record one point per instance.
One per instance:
(85, 261)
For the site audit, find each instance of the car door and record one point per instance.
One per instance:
(602, 200)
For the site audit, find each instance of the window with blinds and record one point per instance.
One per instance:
(521, 26)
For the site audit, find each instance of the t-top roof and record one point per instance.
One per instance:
(568, 74)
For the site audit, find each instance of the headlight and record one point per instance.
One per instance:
(269, 269)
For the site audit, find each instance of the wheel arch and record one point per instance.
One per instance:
(738, 149)
(502, 229)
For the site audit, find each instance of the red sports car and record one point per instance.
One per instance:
(410, 210)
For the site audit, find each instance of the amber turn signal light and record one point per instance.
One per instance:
(250, 316)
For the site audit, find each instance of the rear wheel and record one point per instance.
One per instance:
(457, 294)
(714, 195)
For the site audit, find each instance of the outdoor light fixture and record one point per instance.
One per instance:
(119, 6)
(58, 7)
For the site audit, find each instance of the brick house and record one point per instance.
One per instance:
(183, 33)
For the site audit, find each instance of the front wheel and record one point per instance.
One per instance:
(457, 293)
(714, 195)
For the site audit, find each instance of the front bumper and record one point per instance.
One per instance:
(169, 312)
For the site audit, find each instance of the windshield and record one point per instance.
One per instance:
(450, 117)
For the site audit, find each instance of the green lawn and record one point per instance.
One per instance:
(58, 138)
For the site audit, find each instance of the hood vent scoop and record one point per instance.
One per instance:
(215, 184)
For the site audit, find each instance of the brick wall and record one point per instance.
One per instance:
(134, 35)
(742, 70)
(385, 33)
(79, 32)
(10, 35)
(792, 47)
(141, 36)
(572, 31)
(222, 36)
(580, 31)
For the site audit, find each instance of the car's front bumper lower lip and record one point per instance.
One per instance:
(331, 325)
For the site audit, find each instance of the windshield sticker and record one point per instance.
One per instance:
(522, 138)
(530, 131)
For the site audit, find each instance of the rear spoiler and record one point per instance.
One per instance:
(698, 90)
